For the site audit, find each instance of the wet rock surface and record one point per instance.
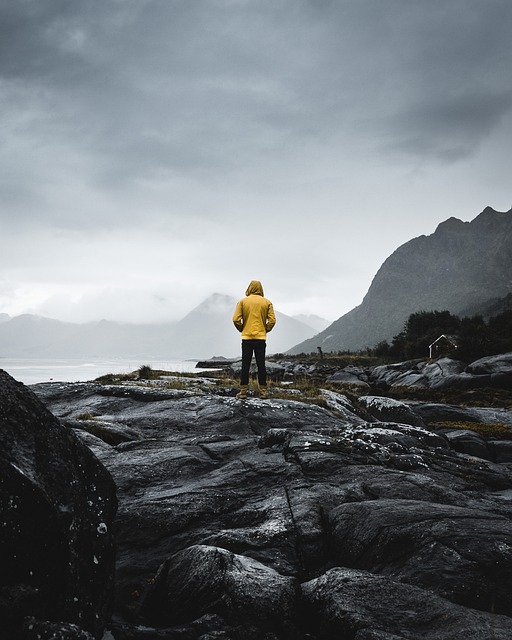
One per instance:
(56, 536)
(447, 373)
(280, 519)
(441, 374)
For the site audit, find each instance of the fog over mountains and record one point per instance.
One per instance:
(462, 268)
(205, 332)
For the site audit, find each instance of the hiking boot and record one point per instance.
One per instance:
(242, 395)
(263, 391)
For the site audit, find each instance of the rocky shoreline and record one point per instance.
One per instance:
(342, 515)
(492, 372)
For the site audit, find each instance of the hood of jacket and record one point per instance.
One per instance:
(254, 288)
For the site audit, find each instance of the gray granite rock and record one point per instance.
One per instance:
(347, 603)
(350, 375)
(499, 364)
(389, 410)
(470, 443)
(427, 544)
(445, 373)
(205, 580)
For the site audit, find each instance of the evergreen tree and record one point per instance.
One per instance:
(421, 330)
(500, 329)
(474, 339)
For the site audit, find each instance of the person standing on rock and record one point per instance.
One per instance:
(254, 317)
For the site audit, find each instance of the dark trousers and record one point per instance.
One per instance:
(258, 348)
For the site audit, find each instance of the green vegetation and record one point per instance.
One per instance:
(475, 337)
(147, 373)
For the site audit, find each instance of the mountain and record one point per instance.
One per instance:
(461, 265)
(316, 322)
(32, 336)
(208, 330)
(204, 332)
(489, 309)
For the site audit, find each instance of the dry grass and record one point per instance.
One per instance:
(488, 430)
(143, 376)
(85, 416)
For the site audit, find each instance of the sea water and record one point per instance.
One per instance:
(35, 370)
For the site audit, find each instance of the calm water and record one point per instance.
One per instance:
(32, 370)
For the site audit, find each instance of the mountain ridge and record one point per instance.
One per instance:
(460, 265)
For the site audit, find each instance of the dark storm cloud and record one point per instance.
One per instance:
(118, 94)
(452, 128)
(140, 140)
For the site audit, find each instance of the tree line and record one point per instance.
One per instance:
(470, 338)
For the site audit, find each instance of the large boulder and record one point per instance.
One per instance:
(204, 580)
(409, 374)
(497, 368)
(493, 365)
(57, 503)
(350, 375)
(388, 409)
(347, 603)
(429, 546)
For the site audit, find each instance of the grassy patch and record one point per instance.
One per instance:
(145, 374)
(116, 378)
(488, 430)
(85, 416)
(181, 385)
(308, 388)
(302, 389)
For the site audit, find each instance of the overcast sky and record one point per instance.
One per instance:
(155, 151)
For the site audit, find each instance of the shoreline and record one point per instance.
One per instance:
(37, 370)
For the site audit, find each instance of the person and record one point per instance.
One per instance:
(254, 317)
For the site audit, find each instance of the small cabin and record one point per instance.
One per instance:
(444, 345)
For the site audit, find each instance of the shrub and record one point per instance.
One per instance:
(146, 372)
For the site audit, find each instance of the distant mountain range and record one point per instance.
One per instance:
(464, 267)
(205, 332)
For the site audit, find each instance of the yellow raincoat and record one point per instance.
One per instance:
(254, 315)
